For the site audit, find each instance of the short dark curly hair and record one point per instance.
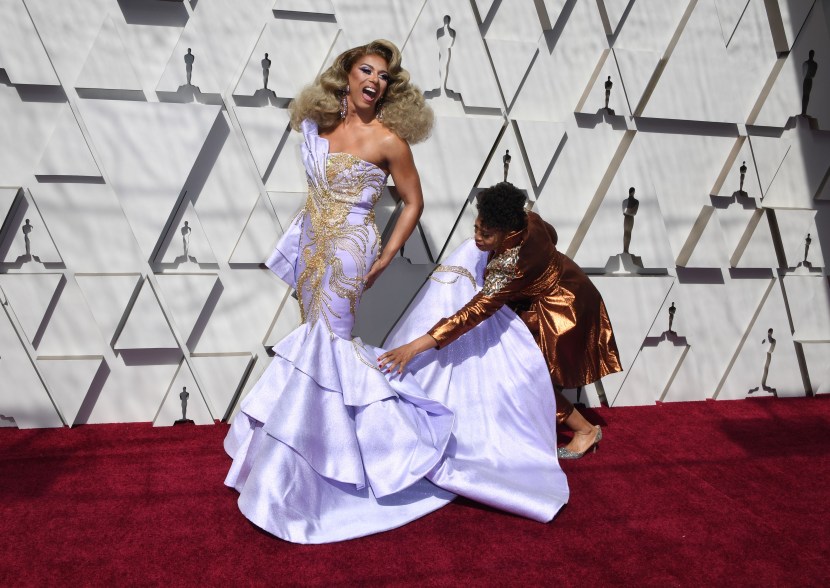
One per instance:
(502, 207)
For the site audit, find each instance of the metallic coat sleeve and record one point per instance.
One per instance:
(476, 310)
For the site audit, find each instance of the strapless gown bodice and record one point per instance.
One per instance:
(330, 246)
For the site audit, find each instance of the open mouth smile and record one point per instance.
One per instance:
(369, 93)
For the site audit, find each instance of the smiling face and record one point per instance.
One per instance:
(487, 239)
(368, 80)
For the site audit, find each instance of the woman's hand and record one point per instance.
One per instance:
(374, 272)
(400, 356)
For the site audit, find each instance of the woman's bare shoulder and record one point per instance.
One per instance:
(392, 145)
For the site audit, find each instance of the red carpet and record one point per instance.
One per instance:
(693, 494)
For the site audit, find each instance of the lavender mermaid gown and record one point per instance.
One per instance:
(325, 446)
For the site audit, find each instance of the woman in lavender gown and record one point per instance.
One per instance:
(325, 446)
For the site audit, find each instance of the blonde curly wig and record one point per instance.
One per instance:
(405, 112)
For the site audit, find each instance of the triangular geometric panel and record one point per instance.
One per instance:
(683, 190)
(242, 314)
(225, 199)
(258, 237)
(186, 242)
(287, 320)
(594, 98)
(288, 204)
(511, 60)
(636, 70)
(71, 330)
(564, 65)
(737, 225)
(150, 32)
(794, 226)
(714, 317)
(108, 298)
(222, 376)
(766, 363)
(67, 153)
(436, 58)
(89, 226)
(516, 170)
(221, 34)
(287, 174)
(69, 381)
(709, 248)
(22, 394)
(54, 21)
(728, 183)
(146, 326)
(133, 387)
(264, 130)
(632, 304)
(652, 371)
(303, 43)
(579, 176)
(769, 153)
(648, 237)
(792, 17)
(183, 401)
(785, 97)
(463, 230)
(513, 21)
(808, 298)
(108, 64)
(483, 7)
(185, 296)
(27, 240)
(758, 250)
(30, 296)
(149, 163)
(691, 86)
(541, 141)
(381, 305)
(22, 54)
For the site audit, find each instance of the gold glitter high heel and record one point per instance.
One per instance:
(564, 453)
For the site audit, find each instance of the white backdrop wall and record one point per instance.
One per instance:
(136, 209)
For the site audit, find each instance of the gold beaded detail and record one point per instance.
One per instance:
(500, 270)
(461, 272)
(361, 352)
(329, 232)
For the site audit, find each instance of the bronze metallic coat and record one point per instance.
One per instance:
(560, 306)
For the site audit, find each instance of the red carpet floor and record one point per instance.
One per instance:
(693, 494)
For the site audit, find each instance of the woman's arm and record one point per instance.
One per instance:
(396, 359)
(408, 184)
(498, 290)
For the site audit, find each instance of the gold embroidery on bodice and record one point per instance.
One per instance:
(326, 223)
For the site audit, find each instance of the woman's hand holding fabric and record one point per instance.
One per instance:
(396, 359)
